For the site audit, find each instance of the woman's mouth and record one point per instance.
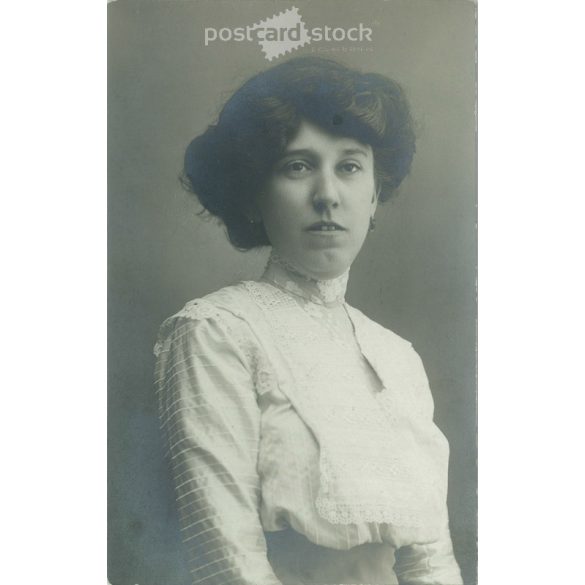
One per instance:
(325, 226)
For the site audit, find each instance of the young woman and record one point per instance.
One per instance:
(300, 432)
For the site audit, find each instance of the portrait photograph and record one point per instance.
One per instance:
(292, 292)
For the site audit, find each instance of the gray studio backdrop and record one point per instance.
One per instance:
(415, 275)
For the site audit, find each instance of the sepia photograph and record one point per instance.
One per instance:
(292, 292)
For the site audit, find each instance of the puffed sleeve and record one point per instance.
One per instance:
(428, 564)
(211, 421)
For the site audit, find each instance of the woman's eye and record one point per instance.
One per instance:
(297, 166)
(350, 167)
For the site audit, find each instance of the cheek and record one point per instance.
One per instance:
(279, 213)
(362, 229)
(364, 208)
(280, 219)
(280, 204)
(362, 213)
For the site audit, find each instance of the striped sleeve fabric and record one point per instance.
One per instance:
(211, 421)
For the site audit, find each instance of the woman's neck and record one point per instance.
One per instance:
(288, 277)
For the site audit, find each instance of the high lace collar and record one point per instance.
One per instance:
(288, 277)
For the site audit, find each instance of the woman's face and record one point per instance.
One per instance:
(318, 201)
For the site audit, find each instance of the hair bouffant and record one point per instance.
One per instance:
(227, 165)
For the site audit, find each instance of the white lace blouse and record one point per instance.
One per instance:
(286, 409)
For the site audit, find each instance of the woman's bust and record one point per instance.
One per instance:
(286, 410)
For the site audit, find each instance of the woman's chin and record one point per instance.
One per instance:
(329, 274)
(326, 265)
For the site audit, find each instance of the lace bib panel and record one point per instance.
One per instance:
(382, 459)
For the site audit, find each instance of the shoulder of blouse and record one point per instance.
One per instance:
(373, 329)
(384, 347)
(230, 307)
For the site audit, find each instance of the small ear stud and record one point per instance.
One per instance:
(372, 223)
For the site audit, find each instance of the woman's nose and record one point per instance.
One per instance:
(326, 192)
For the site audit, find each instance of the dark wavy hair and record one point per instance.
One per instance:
(228, 164)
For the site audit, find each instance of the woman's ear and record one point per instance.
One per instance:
(252, 212)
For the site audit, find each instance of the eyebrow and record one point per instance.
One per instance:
(309, 152)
